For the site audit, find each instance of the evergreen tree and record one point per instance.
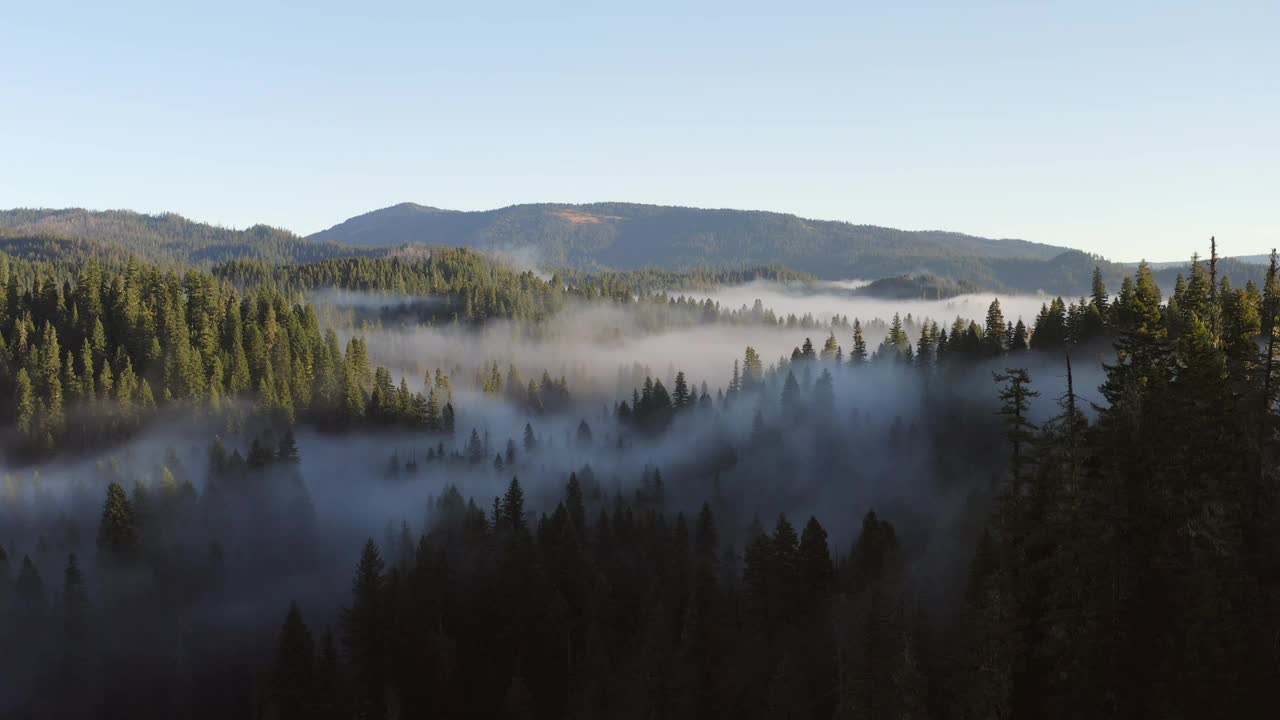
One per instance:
(993, 339)
(680, 395)
(293, 681)
(475, 447)
(858, 355)
(791, 393)
(513, 506)
(365, 634)
(446, 419)
(1015, 400)
(75, 609)
(117, 530)
(815, 566)
(26, 402)
(530, 442)
(30, 603)
(830, 348)
(752, 370)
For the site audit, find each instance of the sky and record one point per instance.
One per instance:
(1132, 130)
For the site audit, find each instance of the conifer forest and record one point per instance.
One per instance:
(442, 485)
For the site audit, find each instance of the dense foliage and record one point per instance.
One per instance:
(624, 236)
(87, 364)
(164, 238)
(1115, 561)
(917, 287)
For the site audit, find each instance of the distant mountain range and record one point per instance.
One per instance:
(159, 238)
(629, 236)
(615, 236)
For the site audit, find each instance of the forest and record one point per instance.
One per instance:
(609, 246)
(444, 485)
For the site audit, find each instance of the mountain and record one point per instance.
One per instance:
(166, 237)
(602, 236)
(629, 236)
(1253, 259)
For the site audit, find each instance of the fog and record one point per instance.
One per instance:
(824, 300)
(913, 448)
(598, 344)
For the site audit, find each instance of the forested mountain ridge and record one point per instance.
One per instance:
(593, 240)
(166, 237)
(629, 236)
(1085, 541)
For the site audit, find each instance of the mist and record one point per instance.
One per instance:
(253, 540)
(827, 299)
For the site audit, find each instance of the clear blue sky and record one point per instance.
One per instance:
(1131, 129)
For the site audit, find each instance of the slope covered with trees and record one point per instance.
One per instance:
(629, 236)
(935, 525)
(167, 237)
(672, 248)
(88, 364)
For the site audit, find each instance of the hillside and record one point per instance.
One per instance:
(629, 236)
(916, 287)
(167, 237)
(595, 238)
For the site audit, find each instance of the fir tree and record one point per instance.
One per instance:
(680, 395)
(293, 680)
(530, 441)
(858, 353)
(26, 402)
(364, 634)
(117, 530)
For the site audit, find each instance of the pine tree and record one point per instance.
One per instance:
(434, 422)
(1019, 342)
(75, 606)
(896, 345)
(29, 602)
(824, 393)
(513, 506)
(87, 387)
(752, 370)
(353, 402)
(791, 393)
(293, 681)
(993, 339)
(1016, 402)
(858, 355)
(364, 634)
(446, 419)
(830, 348)
(576, 506)
(680, 395)
(990, 642)
(530, 441)
(117, 530)
(475, 447)
(26, 402)
(816, 569)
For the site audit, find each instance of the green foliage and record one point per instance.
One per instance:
(111, 236)
(150, 337)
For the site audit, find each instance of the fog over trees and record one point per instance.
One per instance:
(452, 486)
